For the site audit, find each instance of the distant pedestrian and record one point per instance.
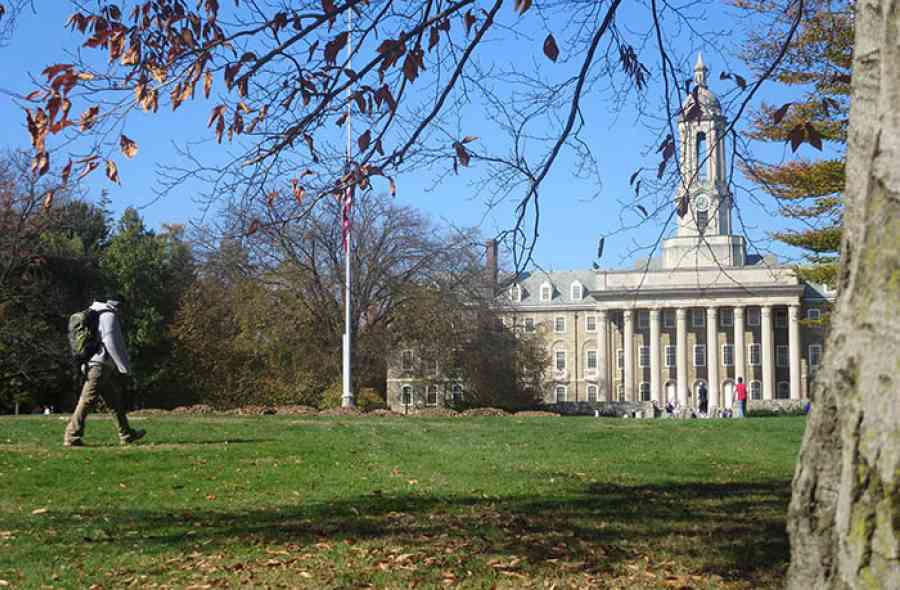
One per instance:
(741, 391)
(703, 403)
(99, 375)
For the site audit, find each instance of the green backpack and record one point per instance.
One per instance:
(84, 334)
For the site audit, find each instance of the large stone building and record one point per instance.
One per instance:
(703, 312)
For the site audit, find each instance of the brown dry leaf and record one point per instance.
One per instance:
(112, 171)
(89, 117)
(550, 48)
(41, 163)
(129, 147)
(48, 200)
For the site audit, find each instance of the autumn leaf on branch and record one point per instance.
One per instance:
(112, 171)
(550, 48)
(522, 6)
(129, 147)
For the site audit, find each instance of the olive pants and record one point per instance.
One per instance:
(100, 383)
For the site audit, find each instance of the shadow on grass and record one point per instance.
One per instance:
(736, 531)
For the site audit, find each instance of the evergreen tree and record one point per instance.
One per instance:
(817, 65)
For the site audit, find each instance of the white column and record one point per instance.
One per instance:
(654, 356)
(681, 355)
(712, 356)
(768, 370)
(794, 349)
(602, 354)
(628, 347)
(739, 366)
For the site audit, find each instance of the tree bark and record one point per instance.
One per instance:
(845, 511)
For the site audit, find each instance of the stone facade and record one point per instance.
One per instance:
(703, 312)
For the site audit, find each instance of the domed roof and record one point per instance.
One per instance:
(708, 102)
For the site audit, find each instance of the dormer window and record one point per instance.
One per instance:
(546, 292)
(515, 293)
(577, 291)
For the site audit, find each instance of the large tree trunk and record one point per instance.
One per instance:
(845, 511)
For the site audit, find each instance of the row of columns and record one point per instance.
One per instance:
(712, 351)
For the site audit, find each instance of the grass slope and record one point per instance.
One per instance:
(281, 502)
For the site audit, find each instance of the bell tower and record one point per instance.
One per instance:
(703, 237)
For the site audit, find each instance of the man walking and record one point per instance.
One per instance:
(741, 390)
(100, 376)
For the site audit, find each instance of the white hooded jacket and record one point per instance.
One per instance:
(113, 351)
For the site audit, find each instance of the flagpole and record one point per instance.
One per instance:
(347, 396)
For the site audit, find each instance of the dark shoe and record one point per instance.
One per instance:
(73, 443)
(133, 436)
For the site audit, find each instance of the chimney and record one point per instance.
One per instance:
(490, 264)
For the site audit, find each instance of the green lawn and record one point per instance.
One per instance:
(290, 502)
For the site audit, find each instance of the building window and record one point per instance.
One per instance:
(592, 393)
(728, 355)
(701, 155)
(560, 360)
(643, 320)
(559, 324)
(700, 355)
(406, 360)
(815, 355)
(529, 325)
(456, 392)
(783, 390)
(698, 318)
(813, 314)
(620, 392)
(515, 293)
(754, 353)
(702, 220)
(644, 389)
(644, 356)
(753, 316)
(590, 323)
(781, 319)
(726, 318)
(561, 391)
(670, 356)
(620, 358)
(546, 292)
(755, 390)
(781, 355)
(591, 360)
(406, 395)
(577, 291)
(668, 318)
(431, 395)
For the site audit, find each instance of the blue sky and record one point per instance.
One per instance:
(575, 212)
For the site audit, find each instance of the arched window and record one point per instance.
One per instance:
(561, 391)
(515, 293)
(755, 390)
(702, 154)
(546, 292)
(577, 291)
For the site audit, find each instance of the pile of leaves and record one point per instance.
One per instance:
(436, 413)
(485, 412)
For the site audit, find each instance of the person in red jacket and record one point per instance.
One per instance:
(741, 391)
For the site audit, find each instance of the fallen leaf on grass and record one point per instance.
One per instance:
(4, 583)
(39, 511)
